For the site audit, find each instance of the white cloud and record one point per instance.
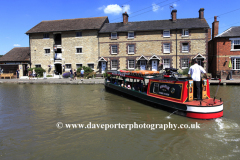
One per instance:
(126, 8)
(16, 45)
(101, 8)
(155, 7)
(175, 5)
(115, 9)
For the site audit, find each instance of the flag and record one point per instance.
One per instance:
(230, 64)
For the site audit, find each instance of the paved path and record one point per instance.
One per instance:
(52, 81)
(90, 81)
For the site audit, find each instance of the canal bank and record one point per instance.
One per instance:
(53, 81)
(91, 81)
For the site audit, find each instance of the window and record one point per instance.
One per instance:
(131, 49)
(68, 66)
(130, 35)
(38, 65)
(78, 66)
(114, 49)
(91, 66)
(131, 64)
(166, 63)
(185, 47)
(185, 63)
(78, 50)
(166, 48)
(185, 32)
(166, 33)
(114, 35)
(78, 34)
(114, 65)
(47, 51)
(235, 45)
(236, 63)
(46, 35)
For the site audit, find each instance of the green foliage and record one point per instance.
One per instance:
(49, 75)
(184, 72)
(88, 72)
(39, 71)
(91, 75)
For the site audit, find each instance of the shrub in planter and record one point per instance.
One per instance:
(91, 75)
(66, 75)
(39, 71)
(87, 70)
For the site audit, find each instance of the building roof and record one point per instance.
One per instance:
(231, 32)
(69, 25)
(17, 54)
(155, 25)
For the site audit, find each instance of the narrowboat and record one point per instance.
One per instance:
(166, 91)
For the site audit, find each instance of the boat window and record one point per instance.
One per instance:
(156, 88)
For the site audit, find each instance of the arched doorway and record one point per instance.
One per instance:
(58, 68)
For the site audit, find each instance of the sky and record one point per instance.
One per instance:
(19, 16)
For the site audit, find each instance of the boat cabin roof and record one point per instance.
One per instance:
(146, 74)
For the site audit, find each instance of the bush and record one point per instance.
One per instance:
(66, 75)
(184, 72)
(39, 71)
(105, 74)
(87, 71)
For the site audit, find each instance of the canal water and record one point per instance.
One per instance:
(29, 115)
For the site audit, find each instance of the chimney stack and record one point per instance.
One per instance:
(201, 13)
(215, 26)
(174, 15)
(125, 18)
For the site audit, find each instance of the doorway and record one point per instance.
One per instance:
(58, 69)
(200, 61)
(154, 65)
(25, 70)
(103, 67)
(142, 65)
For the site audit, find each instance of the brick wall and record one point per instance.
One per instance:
(219, 54)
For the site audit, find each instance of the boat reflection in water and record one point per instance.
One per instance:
(167, 91)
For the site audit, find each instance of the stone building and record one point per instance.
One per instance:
(154, 45)
(16, 58)
(224, 48)
(59, 45)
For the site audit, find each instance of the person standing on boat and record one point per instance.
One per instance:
(195, 72)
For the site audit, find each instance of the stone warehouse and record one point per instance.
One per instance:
(59, 45)
(154, 45)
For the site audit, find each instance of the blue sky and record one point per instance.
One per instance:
(18, 16)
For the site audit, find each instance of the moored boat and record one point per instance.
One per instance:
(166, 91)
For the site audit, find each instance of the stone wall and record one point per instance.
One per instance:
(69, 43)
(151, 43)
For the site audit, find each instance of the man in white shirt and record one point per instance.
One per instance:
(195, 72)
